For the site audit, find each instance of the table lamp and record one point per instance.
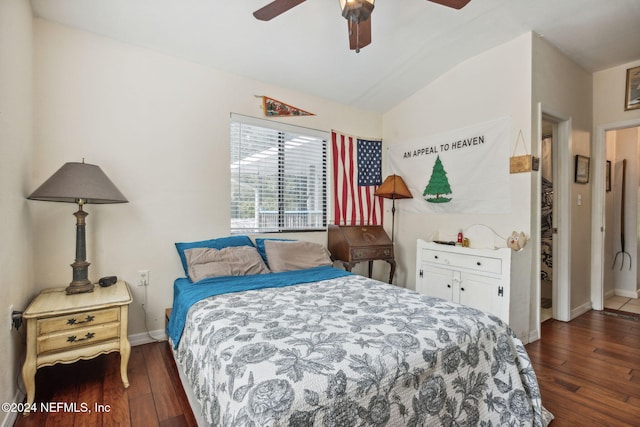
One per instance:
(79, 183)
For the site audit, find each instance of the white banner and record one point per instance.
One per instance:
(462, 171)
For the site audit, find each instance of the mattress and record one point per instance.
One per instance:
(349, 350)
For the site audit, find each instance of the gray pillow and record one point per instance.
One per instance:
(295, 255)
(229, 261)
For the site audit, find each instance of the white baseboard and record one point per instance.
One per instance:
(580, 310)
(626, 294)
(533, 336)
(144, 338)
(11, 417)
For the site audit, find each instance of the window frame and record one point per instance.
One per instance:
(282, 129)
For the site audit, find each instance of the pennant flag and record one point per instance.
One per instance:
(357, 173)
(273, 107)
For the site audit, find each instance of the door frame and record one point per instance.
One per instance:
(563, 166)
(599, 156)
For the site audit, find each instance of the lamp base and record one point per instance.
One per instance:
(79, 287)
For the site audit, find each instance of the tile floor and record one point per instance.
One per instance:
(629, 305)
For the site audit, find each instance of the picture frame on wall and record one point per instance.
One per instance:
(608, 176)
(582, 169)
(632, 92)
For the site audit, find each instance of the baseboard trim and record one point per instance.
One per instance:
(626, 294)
(147, 337)
(533, 336)
(580, 310)
(11, 417)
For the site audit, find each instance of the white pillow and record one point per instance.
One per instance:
(295, 255)
(229, 261)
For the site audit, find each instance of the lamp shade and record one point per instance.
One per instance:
(78, 181)
(393, 187)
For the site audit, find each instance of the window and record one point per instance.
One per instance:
(278, 177)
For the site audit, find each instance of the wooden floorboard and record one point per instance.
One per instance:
(588, 370)
(154, 398)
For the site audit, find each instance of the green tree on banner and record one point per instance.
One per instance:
(438, 184)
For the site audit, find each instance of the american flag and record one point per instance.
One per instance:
(357, 173)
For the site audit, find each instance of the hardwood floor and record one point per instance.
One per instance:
(155, 397)
(588, 371)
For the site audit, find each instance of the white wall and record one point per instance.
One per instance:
(608, 113)
(16, 261)
(491, 85)
(565, 88)
(608, 96)
(159, 128)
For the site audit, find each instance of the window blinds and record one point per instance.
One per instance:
(278, 177)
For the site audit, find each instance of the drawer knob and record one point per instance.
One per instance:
(479, 263)
(73, 320)
(88, 336)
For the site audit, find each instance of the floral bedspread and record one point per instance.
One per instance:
(352, 351)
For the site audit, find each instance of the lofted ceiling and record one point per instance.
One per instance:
(306, 48)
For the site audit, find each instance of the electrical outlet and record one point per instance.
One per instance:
(143, 277)
(11, 317)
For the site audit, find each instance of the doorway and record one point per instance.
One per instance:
(546, 221)
(561, 167)
(604, 246)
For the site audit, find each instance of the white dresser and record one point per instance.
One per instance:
(479, 278)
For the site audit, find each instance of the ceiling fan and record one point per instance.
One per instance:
(356, 12)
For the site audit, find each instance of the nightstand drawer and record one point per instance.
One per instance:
(366, 254)
(77, 320)
(77, 337)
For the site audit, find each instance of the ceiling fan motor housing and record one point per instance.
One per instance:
(356, 10)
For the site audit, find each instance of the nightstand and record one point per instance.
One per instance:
(65, 328)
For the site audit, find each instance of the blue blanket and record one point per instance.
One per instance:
(187, 293)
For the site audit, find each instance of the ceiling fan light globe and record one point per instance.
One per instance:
(356, 10)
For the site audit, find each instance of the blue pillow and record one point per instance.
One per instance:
(262, 251)
(220, 243)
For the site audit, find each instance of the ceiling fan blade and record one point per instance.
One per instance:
(275, 8)
(359, 34)
(456, 4)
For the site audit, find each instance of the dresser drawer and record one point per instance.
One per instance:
(469, 262)
(369, 253)
(77, 320)
(89, 335)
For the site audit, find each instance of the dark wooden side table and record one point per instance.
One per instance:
(352, 244)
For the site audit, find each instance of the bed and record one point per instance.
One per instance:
(321, 346)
